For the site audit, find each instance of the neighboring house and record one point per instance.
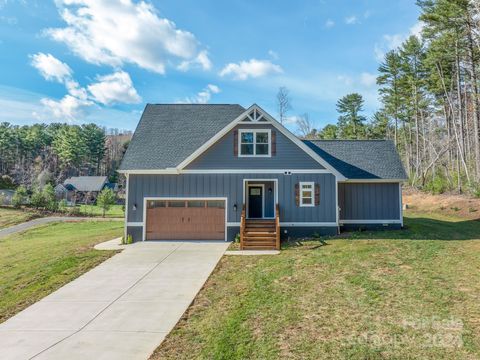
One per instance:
(215, 171)
(82, 189)
(6, 196)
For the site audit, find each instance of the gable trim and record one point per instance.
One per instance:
(269, 120)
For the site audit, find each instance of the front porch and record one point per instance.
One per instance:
(260, 218)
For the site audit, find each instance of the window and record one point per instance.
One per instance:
(307, 194)
(255, 142)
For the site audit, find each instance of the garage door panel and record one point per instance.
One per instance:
(185, 220)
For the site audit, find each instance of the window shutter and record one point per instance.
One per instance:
(235, 142)
(274, 142)
(297, 194)
(317, 194)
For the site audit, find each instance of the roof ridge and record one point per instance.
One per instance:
(184, 104)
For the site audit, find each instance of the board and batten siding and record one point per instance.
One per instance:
(231, 187)
(221, 155)
(369, 201)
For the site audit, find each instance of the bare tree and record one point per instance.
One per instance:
(283, 103)
(304, 125)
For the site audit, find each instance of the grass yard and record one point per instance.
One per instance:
(10, 216)
(116, 211)
(412, 294)
(38, 261)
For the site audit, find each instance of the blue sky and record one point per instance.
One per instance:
(102, 60)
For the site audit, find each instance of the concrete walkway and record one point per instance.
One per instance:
(40, 221)
(122, 309)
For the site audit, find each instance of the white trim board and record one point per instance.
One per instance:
(391, 221)
(308, 224)
(145, 199)
(367, 181)
(269, 120)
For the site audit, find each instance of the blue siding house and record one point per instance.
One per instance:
(212, 172)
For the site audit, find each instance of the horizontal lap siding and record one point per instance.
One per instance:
(364, 201)
(288, 155)
(231, 186)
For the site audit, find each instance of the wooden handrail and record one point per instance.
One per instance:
(277, 227)
(242, 226)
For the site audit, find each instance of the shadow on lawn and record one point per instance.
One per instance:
(418, 228)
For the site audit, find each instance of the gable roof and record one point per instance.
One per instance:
(168, 133)
(361, 159)
(85, 183)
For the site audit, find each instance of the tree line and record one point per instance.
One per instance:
(34, 155)
(430, 100)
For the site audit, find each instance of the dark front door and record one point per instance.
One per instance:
(255, 201)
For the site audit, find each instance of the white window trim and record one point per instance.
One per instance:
(254, 131)
(312, 190)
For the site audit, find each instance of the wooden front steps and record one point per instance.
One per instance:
(259, 235)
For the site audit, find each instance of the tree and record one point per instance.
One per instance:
(105, 200)
(94, 139)
(49, 198)
(283, 103)
(351, 122)
(329, 132)
(20, 197)
(389, 82)
(305, 126)
(37, 200)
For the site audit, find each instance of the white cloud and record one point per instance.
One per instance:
(368, 79)
(203, 96)
(329, 23)
(50, 67)
(114, 88)
(117, 32)
(273, 54)
(202, 61)
(392, 41)
(352, 20)
(69, 108)
(109, 89)
(289, 120)
(345, 79)
(252, 68)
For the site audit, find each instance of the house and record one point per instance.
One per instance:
(215, 171)
(82, 189)
(6, 196)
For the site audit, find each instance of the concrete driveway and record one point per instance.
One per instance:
(122, 309)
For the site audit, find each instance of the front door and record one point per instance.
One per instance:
(255, 202)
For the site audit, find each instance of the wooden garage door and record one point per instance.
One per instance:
(185, 220)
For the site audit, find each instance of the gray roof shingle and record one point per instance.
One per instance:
(86, 183)
(361, 159)
(168, 133)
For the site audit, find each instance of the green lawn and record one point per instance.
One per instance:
(38, 261)
(10, 216)
(412, 294)
(116, 211)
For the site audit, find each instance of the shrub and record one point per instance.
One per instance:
(437, 185)
(37, 200)
(237, 238)
(62, 205)
(105, 200)
(50, 201)
(20, 197)
(128, 240)
(6, 182)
